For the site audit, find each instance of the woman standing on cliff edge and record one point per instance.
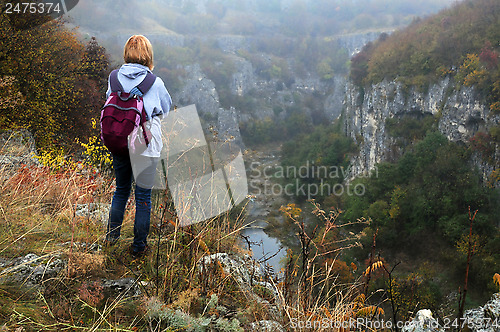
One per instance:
(138, 58)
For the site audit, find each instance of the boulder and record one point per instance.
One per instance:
(98, 212)
(247, 273)
(125, 286)
(17, 148)
(266, 326)
(482, 319)
(485, 318)
(423, 322)
(31, 270)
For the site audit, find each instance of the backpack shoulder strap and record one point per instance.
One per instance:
(146, 83)
(114, 82)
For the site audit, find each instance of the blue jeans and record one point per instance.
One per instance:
(144, 181)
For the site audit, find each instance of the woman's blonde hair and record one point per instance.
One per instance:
(138, 49)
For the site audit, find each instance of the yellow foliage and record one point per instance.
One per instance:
(475, 77)
(359, 301)
(494, 178)
(94, 152)
(370, 311)
(444, 71)
(396, 197)
(204, 246)
(496, 280)
(291, 210)
(374, 266)
(360, 310)
(471, 71)
(52, 158)
(495, 107)
(463, 244)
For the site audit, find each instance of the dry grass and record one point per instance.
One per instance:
(37, 215)
(35, 202)
(318, 290)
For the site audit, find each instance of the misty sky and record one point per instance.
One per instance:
(249, 17)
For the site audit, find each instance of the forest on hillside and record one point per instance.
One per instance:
(462, 41)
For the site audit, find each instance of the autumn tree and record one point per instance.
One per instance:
(10, 99)
(58, 78)
(359, 64)
(95, 63)
(489, 56)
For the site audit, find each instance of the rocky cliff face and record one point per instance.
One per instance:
(460, 114)
(354, 42)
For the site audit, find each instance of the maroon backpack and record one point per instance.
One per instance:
(122, 113)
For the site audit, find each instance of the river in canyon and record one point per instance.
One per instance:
(262, 204)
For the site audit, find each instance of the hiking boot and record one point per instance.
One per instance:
(138, 253)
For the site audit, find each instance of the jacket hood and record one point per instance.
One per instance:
(133, 70)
